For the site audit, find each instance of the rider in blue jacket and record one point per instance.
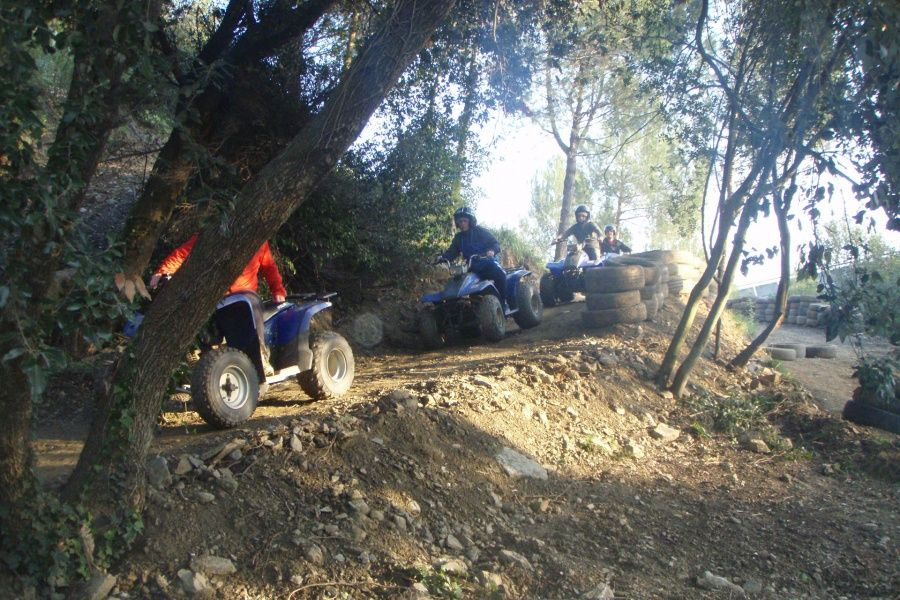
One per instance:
(474, 240)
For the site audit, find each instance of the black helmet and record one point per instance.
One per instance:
(581, 208)
(610, 227)
(465, 211)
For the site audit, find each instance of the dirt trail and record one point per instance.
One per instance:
(830, 380)
(396, 491)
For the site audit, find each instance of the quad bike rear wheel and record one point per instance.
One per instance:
(333, 367)
(531, 309)
(225, 387)
(491, 318)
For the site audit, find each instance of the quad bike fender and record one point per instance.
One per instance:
(303, 343)
(234, 317)
(479, 288)
(513, 279)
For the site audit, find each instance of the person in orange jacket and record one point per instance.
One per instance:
(247, 281)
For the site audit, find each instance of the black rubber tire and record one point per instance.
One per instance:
(799, 349)
(649, 291)
(652, 269)
(333, 367)
(607, 280)
(866, 414)
(784, 354)
(548, 290)
(429, 332)
(491, 318)
(613, 300)
(531, 309)
(824, 351)
(604, 318)
(652, 307)
(664, 256)
(225, 387)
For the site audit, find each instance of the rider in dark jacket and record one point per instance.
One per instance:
(470, 240)
(583, 230)
(610, 244)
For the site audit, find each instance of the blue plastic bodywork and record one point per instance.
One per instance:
(470, 284)
(290, 320)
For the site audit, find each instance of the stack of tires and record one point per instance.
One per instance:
(652, 294)
(684, 269)
(613, 295)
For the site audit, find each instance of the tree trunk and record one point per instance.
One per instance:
(121, 434)
(15, 446)
(781, 208)
(565, 213)
(177, 160)
(715, 312)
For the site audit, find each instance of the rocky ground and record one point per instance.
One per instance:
(546, 466)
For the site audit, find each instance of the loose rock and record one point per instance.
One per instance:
(665, 433)
(518, 465)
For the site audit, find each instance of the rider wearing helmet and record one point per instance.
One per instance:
(472, 239)
(611, 245)
(583, 230)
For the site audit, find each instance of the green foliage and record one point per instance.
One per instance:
(877, 383)
(440, 584)
(56, 544)
(517, 250)
(731, 414)
(376, 215)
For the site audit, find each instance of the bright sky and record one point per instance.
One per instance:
(519, 150)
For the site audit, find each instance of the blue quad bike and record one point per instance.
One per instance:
(227, 380)
(566, 276)
(470, 306)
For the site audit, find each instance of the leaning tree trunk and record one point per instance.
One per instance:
(781, 208)
(121, 434)
(178, 158)
(715, 312)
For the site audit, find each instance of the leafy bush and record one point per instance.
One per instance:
(877, 384)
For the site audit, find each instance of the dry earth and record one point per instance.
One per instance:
(396, 490)
(829, 380)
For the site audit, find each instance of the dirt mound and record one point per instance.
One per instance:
(545, 466)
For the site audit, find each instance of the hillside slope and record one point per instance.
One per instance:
(397, 490)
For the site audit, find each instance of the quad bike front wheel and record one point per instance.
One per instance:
(333, 367)
(225, 387)
(491, 318)
(531, 309)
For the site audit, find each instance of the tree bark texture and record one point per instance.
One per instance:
(223, 249)
(15, 448)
